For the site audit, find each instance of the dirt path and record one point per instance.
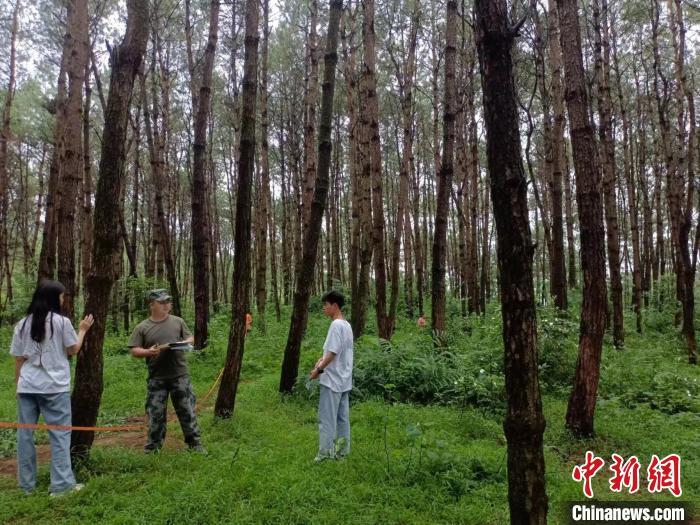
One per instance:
(129, 439)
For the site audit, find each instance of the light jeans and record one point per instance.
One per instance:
(57, 411)
(334, 423)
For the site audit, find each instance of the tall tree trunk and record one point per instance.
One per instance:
(444, 183)
(72, 161)
(226, 398)
(558, 150)
(370, 117)
(86, 200)
(162, 249)
(630, 181)
(524, 423)
(47, 256)
(273, 259)
(581, 408)
(364, 161)
(647, 243)
(5, 134)
(485, 288)
(408, 263)
(461, 203)
(125, 60)
(286, 222)
(290, 364)
(473, 289)
(200, 221)
(132, 247)
(418, 240)
(350, 80)
(569, 212)
(262, 211)
(682, 170)
(405, 78)
(310, 116)
(607, 157)
(39, 200)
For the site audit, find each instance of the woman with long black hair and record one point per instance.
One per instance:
(41, 345)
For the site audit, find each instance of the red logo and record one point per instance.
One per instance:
(626, 474)
(587, 472)
(662, 474)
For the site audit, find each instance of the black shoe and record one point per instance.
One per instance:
(199, 449)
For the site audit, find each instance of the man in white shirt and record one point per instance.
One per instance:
(335, 372)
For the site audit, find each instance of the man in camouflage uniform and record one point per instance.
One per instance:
(167, 372)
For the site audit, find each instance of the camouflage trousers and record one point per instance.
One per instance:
(180, 390)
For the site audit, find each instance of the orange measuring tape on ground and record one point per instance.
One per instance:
(114, 428)
(40, 426)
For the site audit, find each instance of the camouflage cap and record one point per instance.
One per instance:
(161, 295)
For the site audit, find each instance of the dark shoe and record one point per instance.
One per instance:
(199, 449)
(151, 449)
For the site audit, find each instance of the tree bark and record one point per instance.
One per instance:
(558, 150)
(473, 288)
(72, 160)
(86, 200)
(200, 220)
(485, 288)
(524, 423)
(581, 408)
(444, 183)
(5, 136)
(262, 211)
(680, 170)
(607, 157)
(161, 233)
(569, 212)
(405, 75)
(47, 256)
(372, 162)
(226, 398)
(290, 364)
(630, 181)
(125, 60)
(364, 157)
(310, 116)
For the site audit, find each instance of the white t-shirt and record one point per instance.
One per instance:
(46, 370)
(338, 373)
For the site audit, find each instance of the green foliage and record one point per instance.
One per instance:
(434, 461)
(666, 392)
(558, 348)
(8, 442)
(23, 288)
(427, 439)
(420, 373)
(137, 289)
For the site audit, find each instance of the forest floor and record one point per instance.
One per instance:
(427, 446)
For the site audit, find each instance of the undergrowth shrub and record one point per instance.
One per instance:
(419, 373)
(8, 442)
(558, 348)
(667, 392)
(430, 460)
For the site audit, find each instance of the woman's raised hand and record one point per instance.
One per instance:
(86, 323)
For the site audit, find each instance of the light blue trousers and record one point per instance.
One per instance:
(57, 411)
(334, 423)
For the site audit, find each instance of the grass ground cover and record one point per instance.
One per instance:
(427, 439)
